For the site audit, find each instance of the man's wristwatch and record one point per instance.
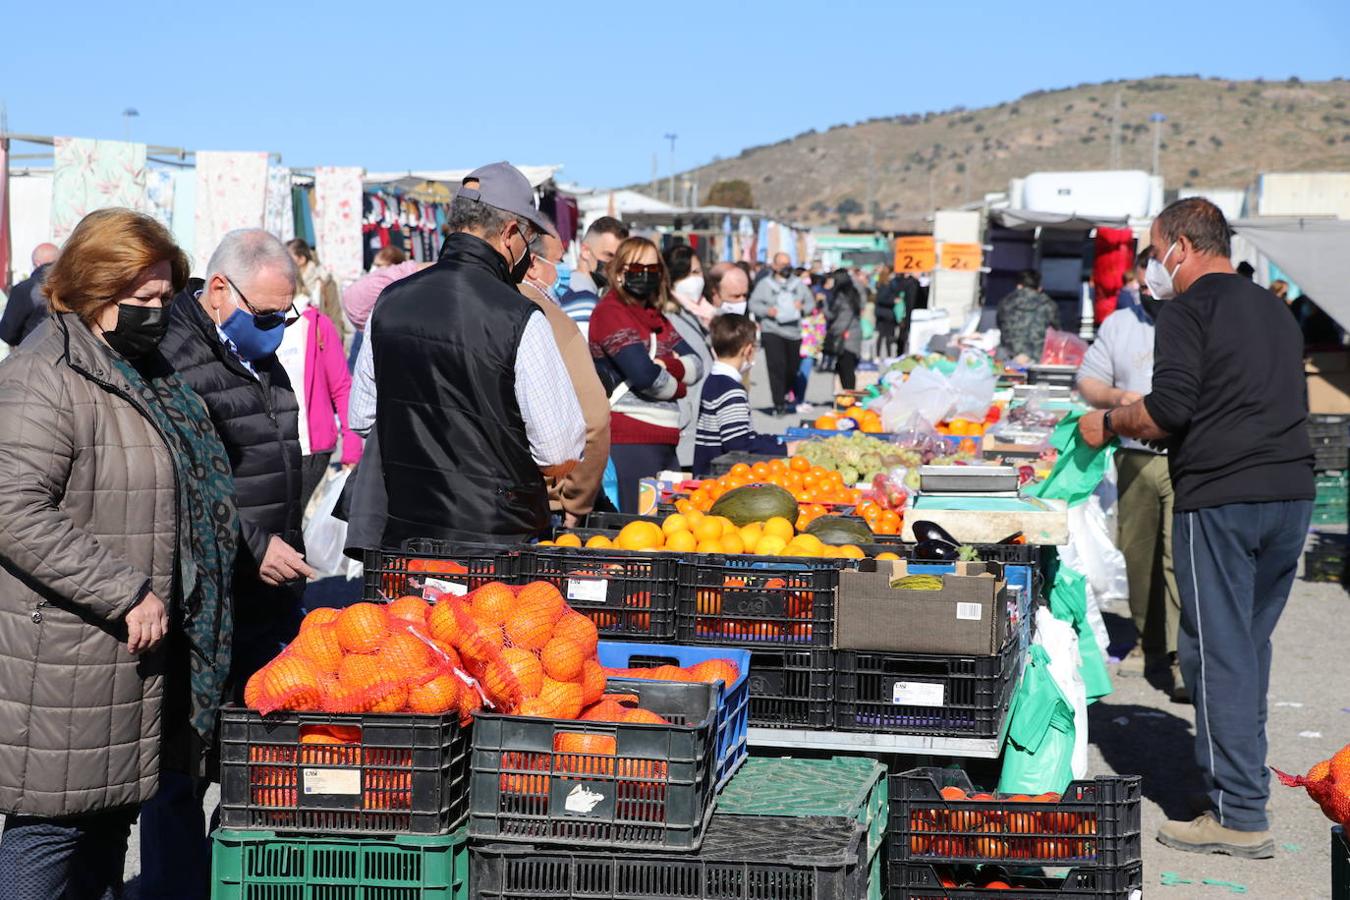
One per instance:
(1106, 422)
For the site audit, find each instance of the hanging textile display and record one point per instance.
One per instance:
(30, 217)
(89, 175)
(6, 271)
(184, 216)
(231, 193)
(337, 220)
(159, 195)
(278, 211)
(728, 253)
(302, 213)
(1113, 256)
(745, 234)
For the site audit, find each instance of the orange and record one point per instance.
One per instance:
(544, 595)
(710, 529)
(592, 681)
(639, 716)
(577, 752)
(684, 505)
(673, 523)
(599, 542)
(529, 627)
(716, 670)
(732, 543)
(750, 535)
(576, 627)
(770, 545)
(492, 602)
(887, 555)
(799, 464)
(319, 644)
(827, 422)
(564, 697)
(693, 518)
(439, 695)
(324, 615)
(740, 470)
(640, 536)
(404, 655)
(546, 544)
(563, 659)
(727, 525)
(361, 627)
(525, 666)
(760, 470)
(446, 621)
(952, 793)
(778, 527)
(409, 609)
(567, 540)
(292, 682)
(851, 551)
(810, 542)
(712, 545)
(681, 542)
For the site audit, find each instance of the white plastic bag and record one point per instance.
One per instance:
(324, 534)
(1060, 641)
(1091, 551)
(927, 393)
(973, 385)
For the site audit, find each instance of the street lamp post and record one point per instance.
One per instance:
(127, 115)
(671, 138)
(1157, 119)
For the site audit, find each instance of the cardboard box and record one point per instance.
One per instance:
(968, 617)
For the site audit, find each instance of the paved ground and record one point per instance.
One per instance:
(1137, 730)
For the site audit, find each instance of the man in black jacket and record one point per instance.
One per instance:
(1230, 401)
(26, 308)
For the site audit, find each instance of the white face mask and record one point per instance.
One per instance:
(747, 365)
(1158, 279)
(732, 308)
(691, 288)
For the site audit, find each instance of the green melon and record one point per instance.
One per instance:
(755, 503)
(838, 530)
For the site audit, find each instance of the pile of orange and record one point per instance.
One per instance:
(808, 484)
(855, 418)
(880, 519)
(982, 826)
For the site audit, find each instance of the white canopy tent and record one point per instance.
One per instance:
(412, 180)
(1315, 253)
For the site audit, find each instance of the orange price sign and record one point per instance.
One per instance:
(915, 254)
(962, 257)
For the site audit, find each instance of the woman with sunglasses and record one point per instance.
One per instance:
(644, 364)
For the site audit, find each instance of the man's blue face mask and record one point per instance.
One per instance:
(563, 284)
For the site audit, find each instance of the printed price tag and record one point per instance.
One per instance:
(331, 781)
(588, 590)
(918, 693)
(962, 257)
(439, 587)
(915, 254)
(969, 612)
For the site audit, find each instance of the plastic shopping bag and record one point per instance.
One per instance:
(325, 535)
(1061, 348)
(1038, 753)
(973, 385)
(1079, 469)
(925, 392)
(1068, 602)
(1061, 643)
(1091, 551)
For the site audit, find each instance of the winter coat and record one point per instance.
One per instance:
(845, 322)
(328, 384)
(257, 418)
(88, 519)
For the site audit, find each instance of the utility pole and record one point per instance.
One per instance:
(871, 185)
(1157, 119)
(671, 137)
(127, 115)
(656, 178)
(1115, 132)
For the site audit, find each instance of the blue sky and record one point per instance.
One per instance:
(596, 85)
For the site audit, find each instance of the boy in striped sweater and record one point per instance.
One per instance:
(724, 424)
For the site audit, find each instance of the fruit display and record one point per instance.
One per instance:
(708, 671)
(1007, 833)
(858, 457)
(808, 484)
(1328, 784)
(867, 421)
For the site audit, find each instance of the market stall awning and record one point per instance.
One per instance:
(1315, 253)
(1029, 219)
(412, 180)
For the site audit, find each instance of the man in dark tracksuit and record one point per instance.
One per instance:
(1230, 401)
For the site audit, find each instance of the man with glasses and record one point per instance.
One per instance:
(473, 409)
(223, 335)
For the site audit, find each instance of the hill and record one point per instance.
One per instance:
(894, 171)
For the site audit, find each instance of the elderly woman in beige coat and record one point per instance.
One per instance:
(116, 522)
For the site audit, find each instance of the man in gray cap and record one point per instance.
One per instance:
(474, 405)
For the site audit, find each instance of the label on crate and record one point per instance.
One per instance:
(330, 781)
(918, 693)
(969, 611)
(752, 604)
(588, 799)
(439, 587)
(588, 590)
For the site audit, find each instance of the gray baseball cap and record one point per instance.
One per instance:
(504, 186)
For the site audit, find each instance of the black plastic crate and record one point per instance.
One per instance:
(1327, 558)
(755, 601)
(723, 464)
(613, 521)
(456, 567)
(743, 858)
(791, 688)
(1340, 864)
(921, 881)
(557, 781)
(629, 595)
(1324, 428)
(1094, 824)
(1330, 459)
(404, 774)
(913, 693)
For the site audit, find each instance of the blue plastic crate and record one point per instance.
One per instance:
(733, 703)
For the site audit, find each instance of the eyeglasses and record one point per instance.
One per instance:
(285, 318)
(649, 268)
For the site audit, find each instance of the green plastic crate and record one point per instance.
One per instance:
(264, 865)
(850, 786)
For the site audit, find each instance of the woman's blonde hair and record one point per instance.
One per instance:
(103, 258)
(629, 251)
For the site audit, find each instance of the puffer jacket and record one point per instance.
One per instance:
(257, 418)
(88, 515)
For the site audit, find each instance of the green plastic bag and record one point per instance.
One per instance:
(1079, 469)
(1068, 603)
(1038, 752)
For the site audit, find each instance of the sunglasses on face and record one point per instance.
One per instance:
(286, 318)
(649, 268)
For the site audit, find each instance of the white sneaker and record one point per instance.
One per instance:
(805, 408)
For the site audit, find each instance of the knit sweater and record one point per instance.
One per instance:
(627, 343)
(724, 424)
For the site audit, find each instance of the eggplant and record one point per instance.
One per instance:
(935, 551)
(931, 531)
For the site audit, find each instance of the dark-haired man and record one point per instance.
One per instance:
(1024, 316)
(601, 240)
(1228, 399)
